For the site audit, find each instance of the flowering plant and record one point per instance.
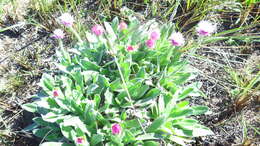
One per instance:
(125, 85)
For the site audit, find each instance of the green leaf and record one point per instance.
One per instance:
(116, 85)
(151, 143)
(41, 122)
(47, 133)
(138, 91)
(52, 117)
(141, 73)
(181, 78)
(129, 136)
(157, 123)
(68, 132)
(103, 81)
(108, 98)
(200, 130)
(181, 113)
(92, 89)
(131, 124)
(115, 23)
(149, 97)
(148, 136)
(198, 110)
(153, 93)
(97, 100)
(110, 32)
(47, 83)
(96, 138)
(55, 144)
(125, 67)
(76, 122)
(30, 107)
(88, 65)
(185, 93)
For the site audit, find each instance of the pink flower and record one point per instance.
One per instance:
(150, 43)
(97, 30)
(130, 48)
(58, 34)
(122, 25)
(116, 129)
(155, 35)
(66, 19)
(79, 140)
(205, 28)
(55, 93)
(177, 39)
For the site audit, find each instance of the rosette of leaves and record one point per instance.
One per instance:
(90, 81)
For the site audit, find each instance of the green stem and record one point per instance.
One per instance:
(76, 34)
(127, 92)
(125, 85)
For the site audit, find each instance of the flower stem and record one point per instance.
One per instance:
(76, 34)
(127, 92)
(129, 99)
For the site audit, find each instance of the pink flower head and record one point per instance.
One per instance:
(55, 93)
(150, 43)
(122, 25)
(66, 19)
(177, 39)
(130, 48)
(116, 129)
(97, 30)
(58, 34)
(205, 28)
(155, 35)
(79, 140)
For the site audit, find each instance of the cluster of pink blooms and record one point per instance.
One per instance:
(154, 36)
(204, 28)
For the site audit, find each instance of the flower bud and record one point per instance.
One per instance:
(130, 48)
(177, 39)
(66, 19)
(58, 34)
(116, 129)
(97, 30)
(79, 140)
(55, 93)
(205, 28)
(150, 43)
(122, 25)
